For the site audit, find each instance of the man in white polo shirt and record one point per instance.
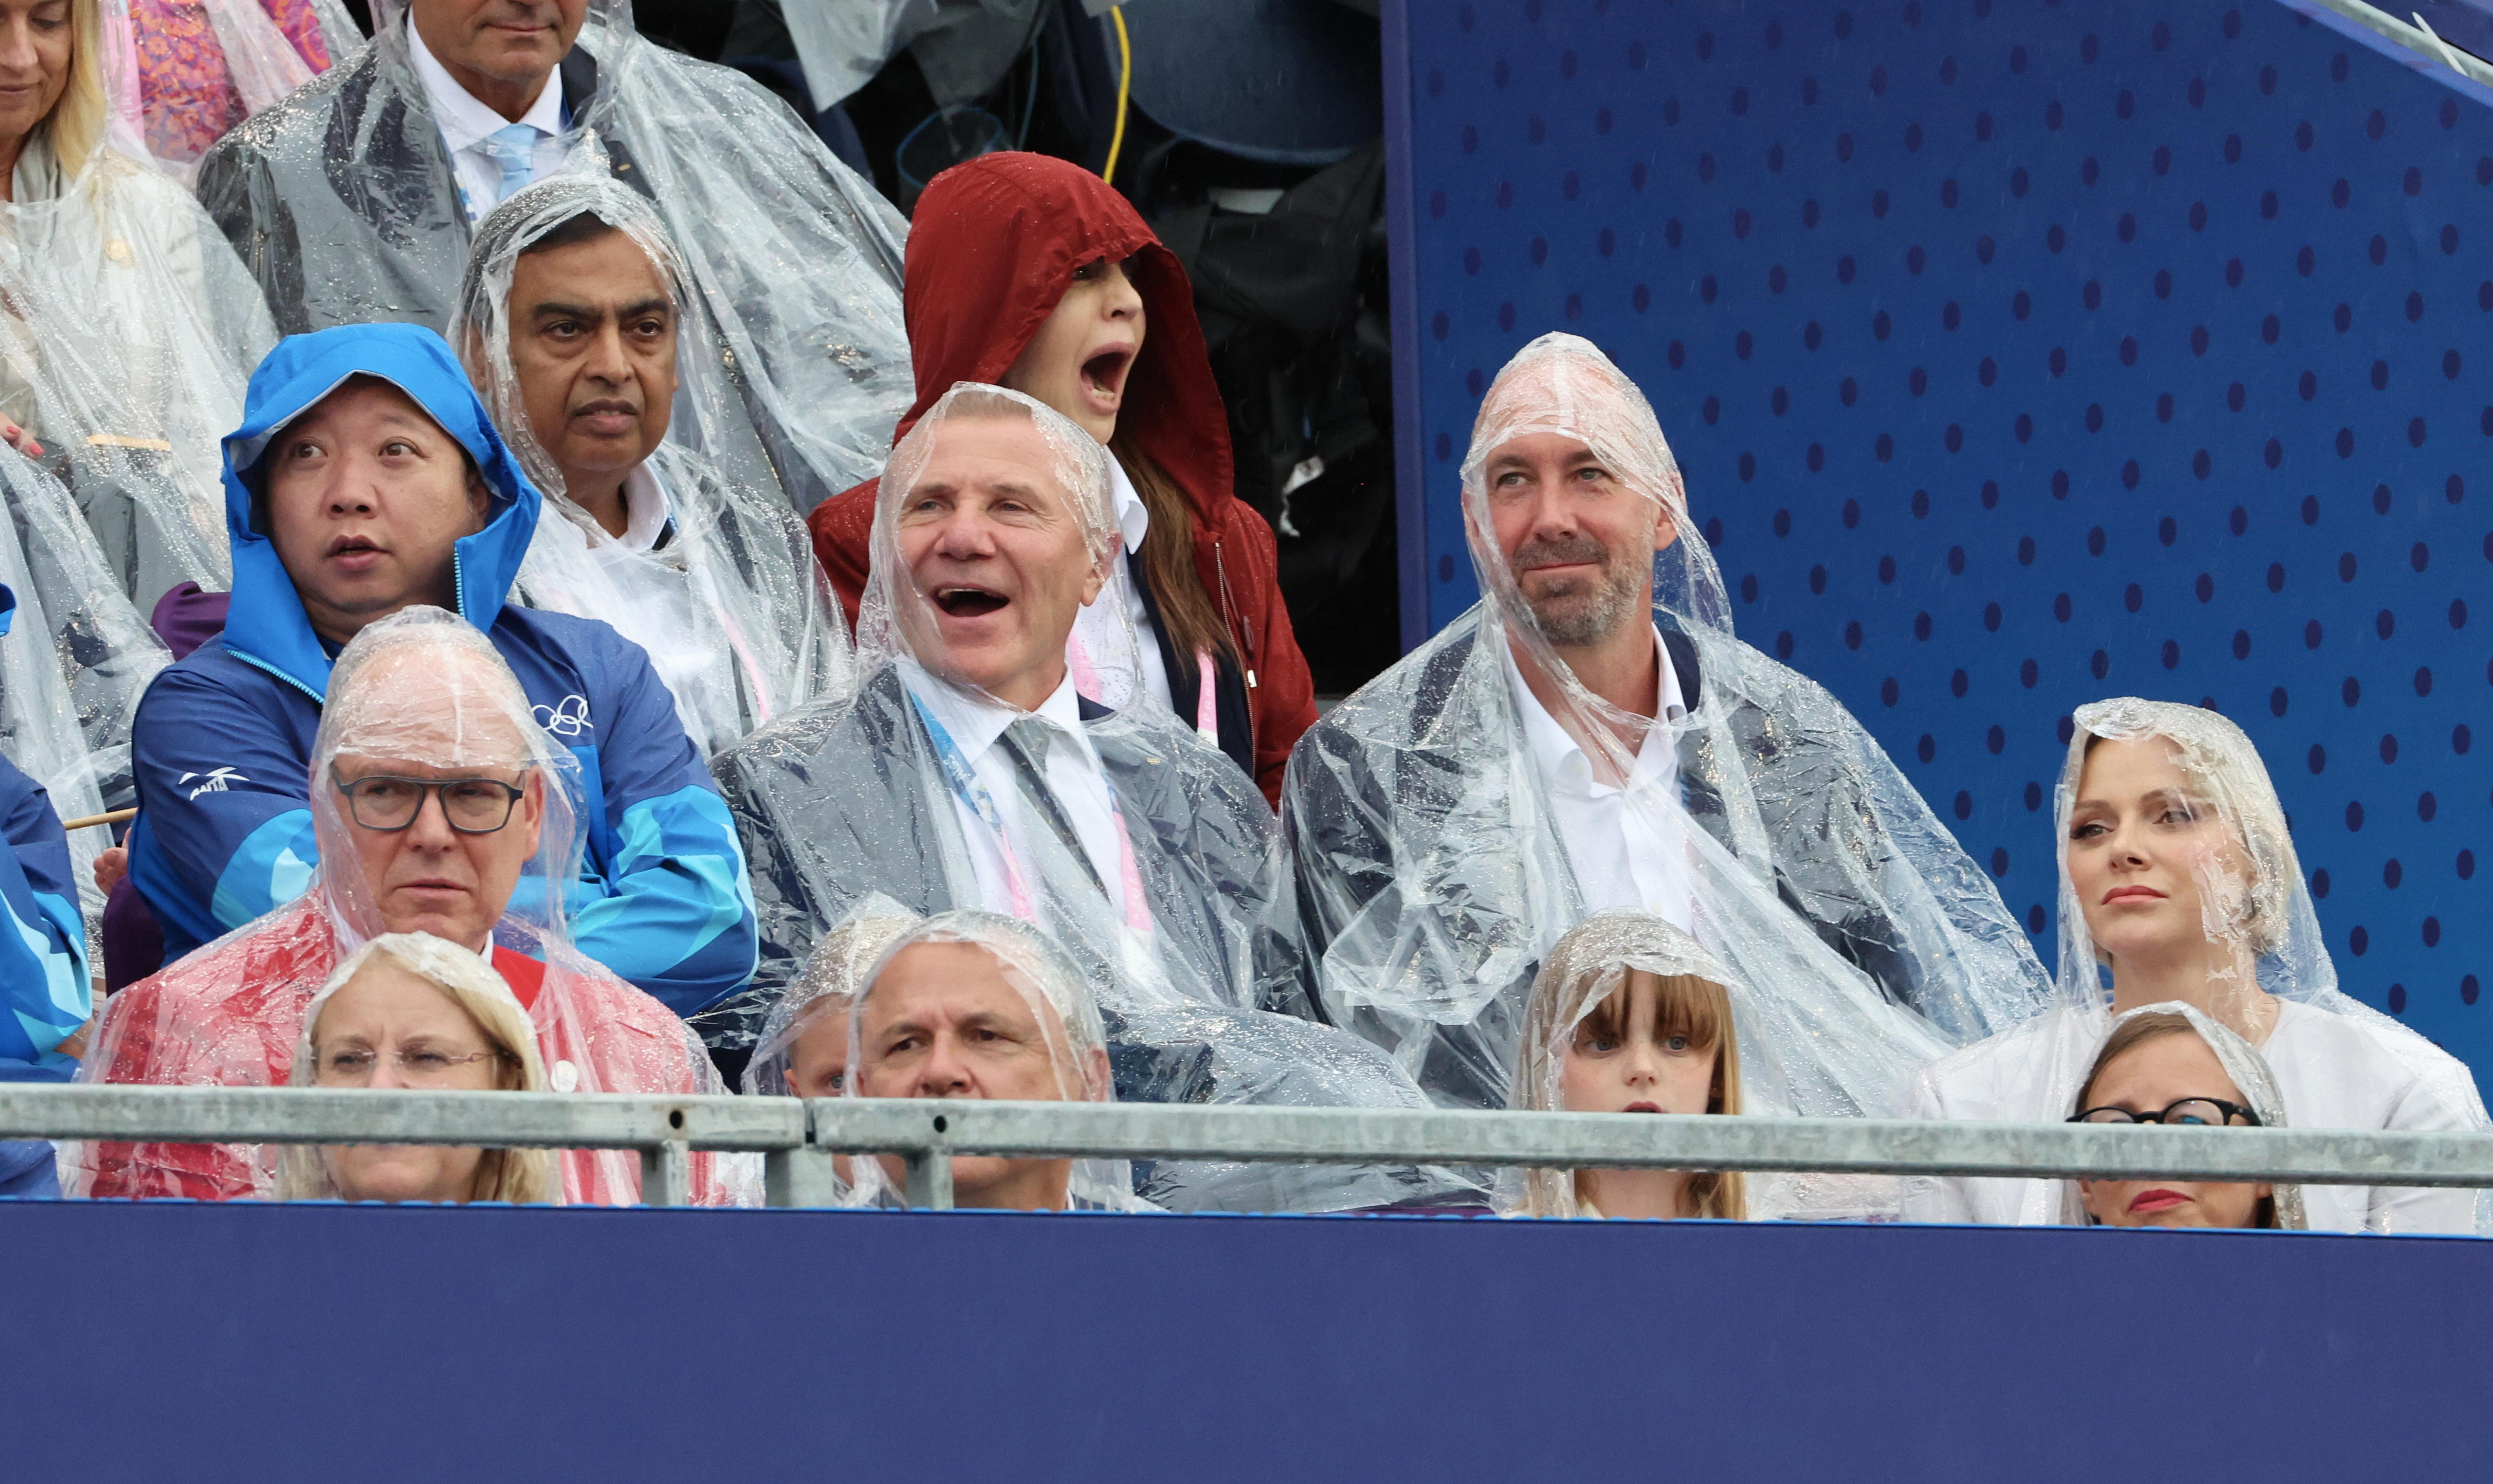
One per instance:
(1593, 735)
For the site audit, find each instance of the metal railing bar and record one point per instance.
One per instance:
(803, 1134)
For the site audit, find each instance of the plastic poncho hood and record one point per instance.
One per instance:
(1052, 989)
(2251, 1077)
(733, 609)
(267, 625)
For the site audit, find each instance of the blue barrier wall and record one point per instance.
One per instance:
(278, 1343)
(2018, 354)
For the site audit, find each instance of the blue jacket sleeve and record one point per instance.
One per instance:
(42, 951)
(223, 832)
(670, 908)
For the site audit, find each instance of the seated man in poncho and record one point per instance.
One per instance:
(367, 479)
(579, 328)
(973, 768)
(440, 807)
(355, 200)
(1592, 735)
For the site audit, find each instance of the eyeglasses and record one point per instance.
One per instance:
(473, 806)
(2214, 1112)
(417, 1066)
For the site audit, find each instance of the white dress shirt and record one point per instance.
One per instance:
(1133, 523)
(2333, 1071)
(1072, 769)
(1629, 855)
(464, 122)
(648, 510)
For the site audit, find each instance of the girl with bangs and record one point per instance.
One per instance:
(1627, 1015)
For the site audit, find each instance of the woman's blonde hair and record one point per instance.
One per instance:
(519, 1176)
(1583, 982)
(77, 122)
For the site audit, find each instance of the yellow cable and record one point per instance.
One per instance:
(1125, 82)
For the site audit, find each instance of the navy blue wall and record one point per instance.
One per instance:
(2018, 354)
(278, 1343)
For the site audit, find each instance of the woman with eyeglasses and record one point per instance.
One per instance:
(2178, 883)
(2170, 1065)
(407, 1011)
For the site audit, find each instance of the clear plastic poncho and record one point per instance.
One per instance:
(2251, 1077)
(257, 57)
(1806, 1054)
(421, 687)
(344, 204)
(1433, 875)
(1175, 902)
(733, 608)
(2264, 974)
(518, 1176)
(1060, 1000)
(72, 671)
(127, 335)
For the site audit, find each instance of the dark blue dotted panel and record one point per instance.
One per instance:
(2019, 354)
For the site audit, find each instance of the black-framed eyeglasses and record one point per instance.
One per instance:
(2212, 1112)
(473, 806)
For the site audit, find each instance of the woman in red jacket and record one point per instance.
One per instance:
(1028, 272)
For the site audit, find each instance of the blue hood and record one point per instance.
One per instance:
(267, 625)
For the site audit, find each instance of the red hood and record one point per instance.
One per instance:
(993, 246)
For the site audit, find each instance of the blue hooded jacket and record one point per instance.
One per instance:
(42, 955)
(222, 744)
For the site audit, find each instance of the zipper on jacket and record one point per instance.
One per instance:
(1229, 613)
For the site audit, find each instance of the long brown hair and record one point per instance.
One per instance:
(1699, 1009)
(1189, 616)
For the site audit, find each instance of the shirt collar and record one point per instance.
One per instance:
(461, 119)
(647, 508)
(975, 722)
(1551, 744)
(1133, 518)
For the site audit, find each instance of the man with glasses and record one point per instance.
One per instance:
(438, 806)
(367, 479)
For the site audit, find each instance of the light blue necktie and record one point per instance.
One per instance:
(513, 149)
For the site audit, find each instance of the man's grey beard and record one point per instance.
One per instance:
(1586, 614)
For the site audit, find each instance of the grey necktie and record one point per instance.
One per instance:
(1026, 742)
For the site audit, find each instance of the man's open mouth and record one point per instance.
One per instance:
(968, 602)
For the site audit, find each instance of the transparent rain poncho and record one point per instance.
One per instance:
(2266, 974)
(127, 335)
(1137, 846)
(1800, 1053)
(1059, 999)
(75, 661)
(344, 204)
(262, 63)
(825, 987)
(518, 1176)
(1433, 875)
(424, 688)
(2251, 1077)
(733, 609)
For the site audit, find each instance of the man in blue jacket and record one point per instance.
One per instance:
(366, 478)
(43, 956)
